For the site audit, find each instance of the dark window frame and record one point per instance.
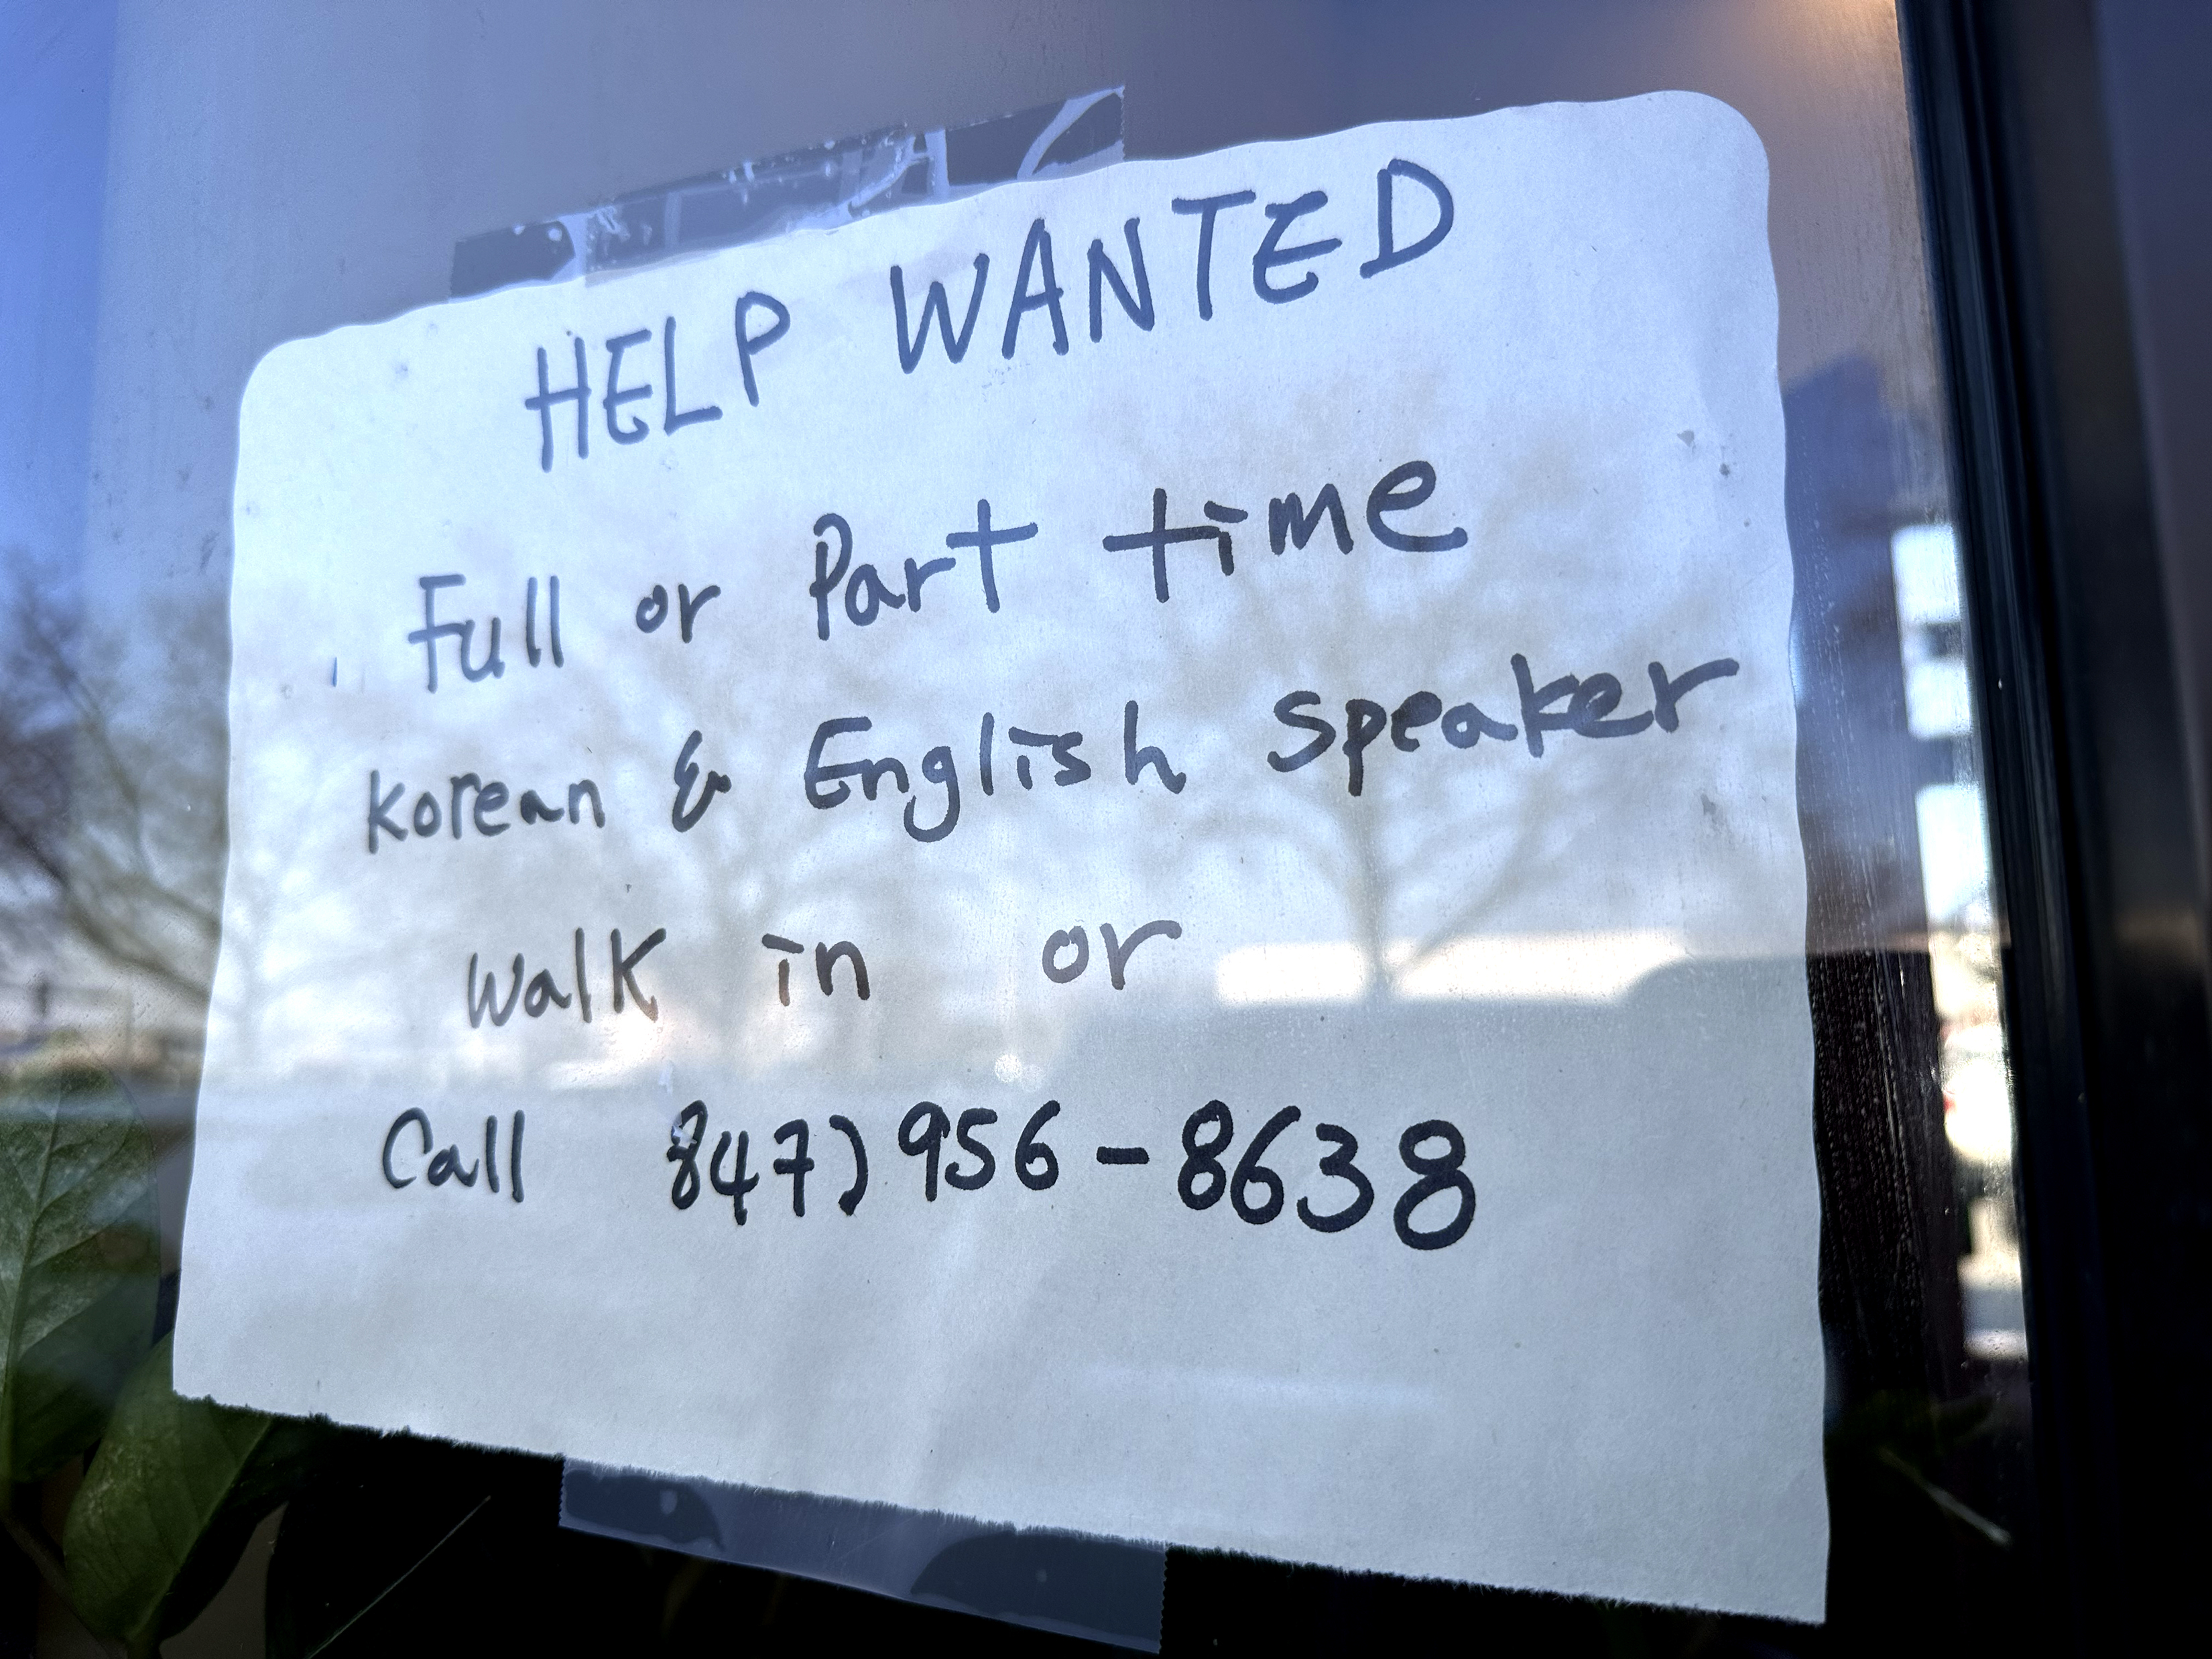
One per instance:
(2096, 864)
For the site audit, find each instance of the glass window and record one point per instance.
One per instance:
(206, 186)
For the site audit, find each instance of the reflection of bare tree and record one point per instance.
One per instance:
(1443, 843)
(1372, 850)
(112, 808)
(744, 872)
(36, 721)
(305, 925)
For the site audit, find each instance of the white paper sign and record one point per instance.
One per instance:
(1222, 727)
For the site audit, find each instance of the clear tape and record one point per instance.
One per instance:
(1106, 1589)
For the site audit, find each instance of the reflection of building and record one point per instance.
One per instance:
(1890, 802)
(1861, 765)
(1897, 924)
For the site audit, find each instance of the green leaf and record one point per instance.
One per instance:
(175, 1489)
(80, 1263)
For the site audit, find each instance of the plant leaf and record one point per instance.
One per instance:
(80, 1261)
(177, 1487)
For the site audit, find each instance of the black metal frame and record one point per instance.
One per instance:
(2096, 858)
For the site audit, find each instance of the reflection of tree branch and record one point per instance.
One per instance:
(112, 828)
(1440, 844)
(123, 793)
(1513, 869)
(23, 833)
(738, 873)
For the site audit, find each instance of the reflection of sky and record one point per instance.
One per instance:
(55, 58)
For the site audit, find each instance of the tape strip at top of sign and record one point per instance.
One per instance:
(1119, 855)
(818, 188)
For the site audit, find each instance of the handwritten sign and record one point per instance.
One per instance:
(1121, 856)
